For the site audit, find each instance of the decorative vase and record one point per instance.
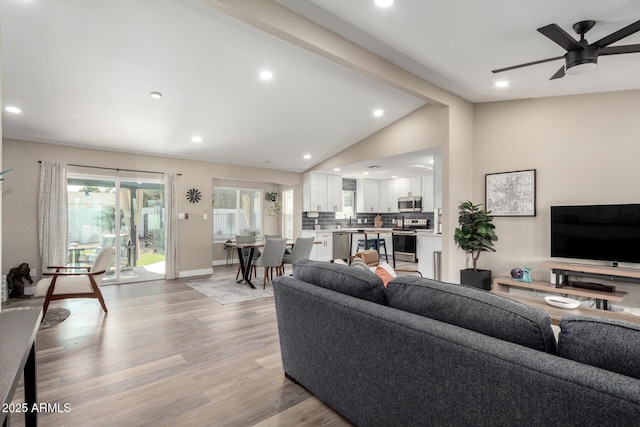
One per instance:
(477, 278)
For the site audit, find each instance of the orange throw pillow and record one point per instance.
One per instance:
(384, 275)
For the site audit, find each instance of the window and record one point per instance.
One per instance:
(348, 205)
(236, 211)
(287, 213)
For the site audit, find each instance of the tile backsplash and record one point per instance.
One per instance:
(327, 220)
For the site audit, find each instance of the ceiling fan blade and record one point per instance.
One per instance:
(617, 50)
(618, 35)
(513, 67)
(559, 74)
(560, 36)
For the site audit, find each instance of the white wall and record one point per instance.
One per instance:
(585, 150)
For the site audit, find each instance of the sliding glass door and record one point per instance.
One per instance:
(125, 214)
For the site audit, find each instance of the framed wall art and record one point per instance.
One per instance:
(511, 193)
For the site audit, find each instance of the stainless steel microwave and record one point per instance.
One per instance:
(410, 204)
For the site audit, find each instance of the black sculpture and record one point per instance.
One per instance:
(15, 280)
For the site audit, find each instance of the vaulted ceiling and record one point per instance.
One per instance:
(82, 72)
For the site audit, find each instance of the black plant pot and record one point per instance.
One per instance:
(476, 278)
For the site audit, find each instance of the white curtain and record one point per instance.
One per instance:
(246, 206)
(140, 204)
(53, 214)
(171, 224)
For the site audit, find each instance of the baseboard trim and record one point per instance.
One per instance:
(191, 273)
(220, 262)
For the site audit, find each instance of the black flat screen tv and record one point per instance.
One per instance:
(597, 232)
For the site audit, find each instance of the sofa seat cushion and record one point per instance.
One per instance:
(473, 309)
(359, 283)
(607, 344)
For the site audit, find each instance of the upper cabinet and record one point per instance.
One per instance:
(389, 195)
(367, 196)
(428, 193)
(408, 187)
(334, 193)
(392, 189)
(321, 192)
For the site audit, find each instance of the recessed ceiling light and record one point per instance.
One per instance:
(336, 169)
(501, 83)
(383, 3)
(307, 156)
(266, 75)
(11, 109)
(394, 176)
(431, 161)
(196, 138)
(365, 173)
(378, 113)
(155, 95)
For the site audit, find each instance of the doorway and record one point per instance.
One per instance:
(124, 213)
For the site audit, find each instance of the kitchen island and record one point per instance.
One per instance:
(339, 242)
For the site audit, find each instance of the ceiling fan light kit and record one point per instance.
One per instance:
(582, 57)
(581, 61)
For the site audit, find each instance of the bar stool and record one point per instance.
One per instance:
(371, 243)
(376, 244)
(381, 244)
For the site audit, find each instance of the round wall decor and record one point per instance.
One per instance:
(194, 195)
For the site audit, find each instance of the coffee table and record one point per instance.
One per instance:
(557, 313)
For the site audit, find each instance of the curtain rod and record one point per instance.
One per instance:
(114, 169)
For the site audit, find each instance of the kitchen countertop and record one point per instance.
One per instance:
(371, 230)
(428, 233)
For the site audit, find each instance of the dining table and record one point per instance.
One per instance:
(245, 265)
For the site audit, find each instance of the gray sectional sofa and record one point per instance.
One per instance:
(421, 352)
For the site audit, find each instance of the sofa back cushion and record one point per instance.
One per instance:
(473, 309)
(359, 283)
(607, 344)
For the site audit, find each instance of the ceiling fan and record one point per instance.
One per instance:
(582, 56)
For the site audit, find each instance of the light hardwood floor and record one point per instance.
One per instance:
(166, 355)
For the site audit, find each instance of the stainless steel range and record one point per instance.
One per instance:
(405, 239)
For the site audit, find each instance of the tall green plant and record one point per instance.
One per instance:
(476, 233)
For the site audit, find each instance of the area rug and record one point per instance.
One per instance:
(54, 316)
(229, 292)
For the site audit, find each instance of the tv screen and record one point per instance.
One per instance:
(597, 232)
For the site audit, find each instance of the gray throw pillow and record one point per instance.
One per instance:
(473, 309)
(355, 282)
(609, 344)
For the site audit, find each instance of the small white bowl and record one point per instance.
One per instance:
(562, 302)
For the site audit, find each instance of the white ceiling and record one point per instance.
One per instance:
(82, 71)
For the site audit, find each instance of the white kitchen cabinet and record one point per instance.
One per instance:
(334, 193)
(322, 251)
(321, 192)
(426, 245)
(367, 195)
(408, 187)
(388, 196)
(427, 193)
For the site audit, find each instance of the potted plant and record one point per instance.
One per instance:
(273, 203)
(475, 235)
